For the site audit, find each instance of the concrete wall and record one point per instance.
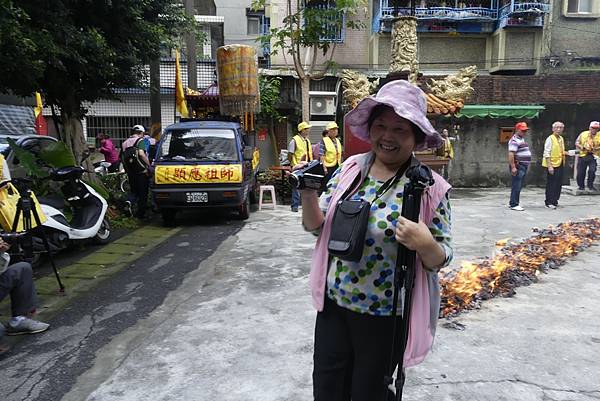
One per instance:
(571, 36)
(235, 28)
(481, 160)
(458, 52)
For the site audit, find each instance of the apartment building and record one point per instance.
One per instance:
(540, 54)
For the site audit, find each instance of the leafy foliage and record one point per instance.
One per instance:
(57, 155)
(82, 50)
(312, 21)
(269, 96)
(27, 160)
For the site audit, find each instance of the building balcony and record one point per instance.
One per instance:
(448, 13)
(468, 16)
(523, 14)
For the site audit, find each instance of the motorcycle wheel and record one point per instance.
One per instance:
(103, 235)
(124, 184)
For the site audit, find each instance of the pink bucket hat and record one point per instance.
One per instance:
(408, 102)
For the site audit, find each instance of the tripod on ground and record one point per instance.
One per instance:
(420, 178)
(26, 208)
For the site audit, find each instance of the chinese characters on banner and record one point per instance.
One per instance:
(198, 174)
(262, 134)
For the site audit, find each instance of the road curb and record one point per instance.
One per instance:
(88, 272)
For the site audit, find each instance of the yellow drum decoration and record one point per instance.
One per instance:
(237, 74)
(199, 174)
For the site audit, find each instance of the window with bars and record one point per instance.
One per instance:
(117, 127)
(333, 23)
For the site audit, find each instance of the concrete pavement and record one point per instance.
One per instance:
(245, 331)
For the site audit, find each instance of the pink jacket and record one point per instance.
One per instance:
(107, 148)
(426, 293)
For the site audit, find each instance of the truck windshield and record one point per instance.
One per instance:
(199, 144)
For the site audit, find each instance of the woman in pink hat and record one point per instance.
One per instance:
(353, 330)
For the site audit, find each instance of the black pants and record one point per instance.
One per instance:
(114, 168)
(139, 184)
(352, 355)
(17, 281)
(586, 163)
(330, 171)
(554, 186)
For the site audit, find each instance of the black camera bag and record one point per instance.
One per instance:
(348, 229)
(351, 218)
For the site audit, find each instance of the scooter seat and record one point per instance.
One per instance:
(56, 202)
(67, 173)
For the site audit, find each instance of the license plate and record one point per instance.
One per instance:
(196, 197)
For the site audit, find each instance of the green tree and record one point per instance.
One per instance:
(304, 26)
(77, 51)
(269, 96)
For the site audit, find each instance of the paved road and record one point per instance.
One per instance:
(44, 367)
(245, 333)
(239, 325)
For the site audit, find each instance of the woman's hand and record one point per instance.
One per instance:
(417, 237)
(299, 165)
(4, 246)
(414, 236)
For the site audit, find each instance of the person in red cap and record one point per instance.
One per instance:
(519, 158)
(588, 143)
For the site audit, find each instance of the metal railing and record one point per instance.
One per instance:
(514, 7)
(530, 13)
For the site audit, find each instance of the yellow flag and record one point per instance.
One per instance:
(38, 104)
(179, 93)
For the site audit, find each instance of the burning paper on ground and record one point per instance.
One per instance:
(516, 264)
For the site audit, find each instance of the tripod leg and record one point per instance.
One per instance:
(47, 247)
(18, 214)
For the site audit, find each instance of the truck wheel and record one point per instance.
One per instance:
(254, 192)
(169, 217)
(244, 209)
(103, 235)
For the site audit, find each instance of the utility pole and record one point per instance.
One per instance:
(190, 44)
(155, 110)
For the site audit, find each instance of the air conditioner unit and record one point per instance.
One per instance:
(322, 105)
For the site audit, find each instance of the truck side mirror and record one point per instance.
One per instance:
(248, 153)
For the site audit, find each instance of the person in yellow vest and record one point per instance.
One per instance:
(299, 150)
(447, 151)
(588, 143)
(16, 281)
(331, 151)
(4, 171)
(554, 160)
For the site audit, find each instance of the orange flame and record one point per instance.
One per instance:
(516, 264)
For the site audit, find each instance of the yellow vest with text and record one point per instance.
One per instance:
(302, 149)
(448, 149)
(584, 139)
(333, 152)
(557, 153)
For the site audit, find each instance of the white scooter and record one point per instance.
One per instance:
(89, 220)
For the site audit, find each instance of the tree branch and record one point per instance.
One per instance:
(322, 74)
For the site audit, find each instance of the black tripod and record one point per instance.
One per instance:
(26, 208)
(404, 275)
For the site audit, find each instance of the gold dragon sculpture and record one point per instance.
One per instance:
(356, 86)
(455, 86)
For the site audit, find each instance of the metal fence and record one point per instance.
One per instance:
(132, 106)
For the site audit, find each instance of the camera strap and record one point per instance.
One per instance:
(385, 186)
